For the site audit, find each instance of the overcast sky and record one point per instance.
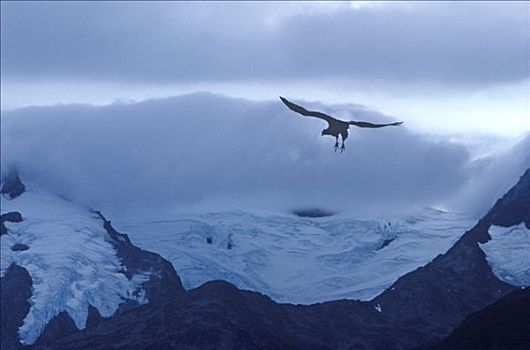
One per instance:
(131, 130)
(443, 67)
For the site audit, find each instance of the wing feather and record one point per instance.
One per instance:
(301, 110)
(362, 124)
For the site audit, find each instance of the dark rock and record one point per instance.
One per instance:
(385, 243)
(19, 247)
(209, 240)
(15, 291)
(435, 298)
(217, 316)
(230, 243)
(163, 285)
(512, 209)
(164, 280)
(312, 213)
(59, 326)
(504, 324)
(13, 216)
(62, 325)
(432, 300)
(12, 186)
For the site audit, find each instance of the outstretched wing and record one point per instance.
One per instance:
(372, 125)
(299, 109)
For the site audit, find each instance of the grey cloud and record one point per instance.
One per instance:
(448, 43)
(490, 177)
(201, 148)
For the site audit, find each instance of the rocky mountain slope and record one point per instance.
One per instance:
(419, 309)
(437, 297)
(63, 267)
(504, 324)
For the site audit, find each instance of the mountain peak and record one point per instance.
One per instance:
(514, 207)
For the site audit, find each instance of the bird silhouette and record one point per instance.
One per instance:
(335, 127)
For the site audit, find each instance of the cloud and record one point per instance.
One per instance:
(457, 44)
(492, 175)
(199, 149)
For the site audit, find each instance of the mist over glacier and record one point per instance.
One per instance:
(211, 152)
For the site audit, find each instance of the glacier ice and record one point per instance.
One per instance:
(70, 260)
(297, 260)
(291, 259)
(508, 253)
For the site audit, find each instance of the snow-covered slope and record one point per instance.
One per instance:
(508, 253)
(299, 260)
(70, 259)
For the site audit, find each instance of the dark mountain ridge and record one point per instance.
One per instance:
(420, 308)
(505, 324)
(460, 281)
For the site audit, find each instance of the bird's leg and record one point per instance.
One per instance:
(342, 147)
(336, 143)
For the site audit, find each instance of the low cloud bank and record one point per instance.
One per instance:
(204, 150)
(490, 177)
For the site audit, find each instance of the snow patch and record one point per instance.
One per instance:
(70, 260)
(508, 254)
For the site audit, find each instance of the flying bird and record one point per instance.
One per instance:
(336, 127)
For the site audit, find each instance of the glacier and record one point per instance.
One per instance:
(70, 259)
(73, 263)
(297, 260)
(508, 253)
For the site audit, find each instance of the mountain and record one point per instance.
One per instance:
(64, 266)
(504, 324)
(437, 297)
(297, 259)
(419, 309)
(15, 292)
